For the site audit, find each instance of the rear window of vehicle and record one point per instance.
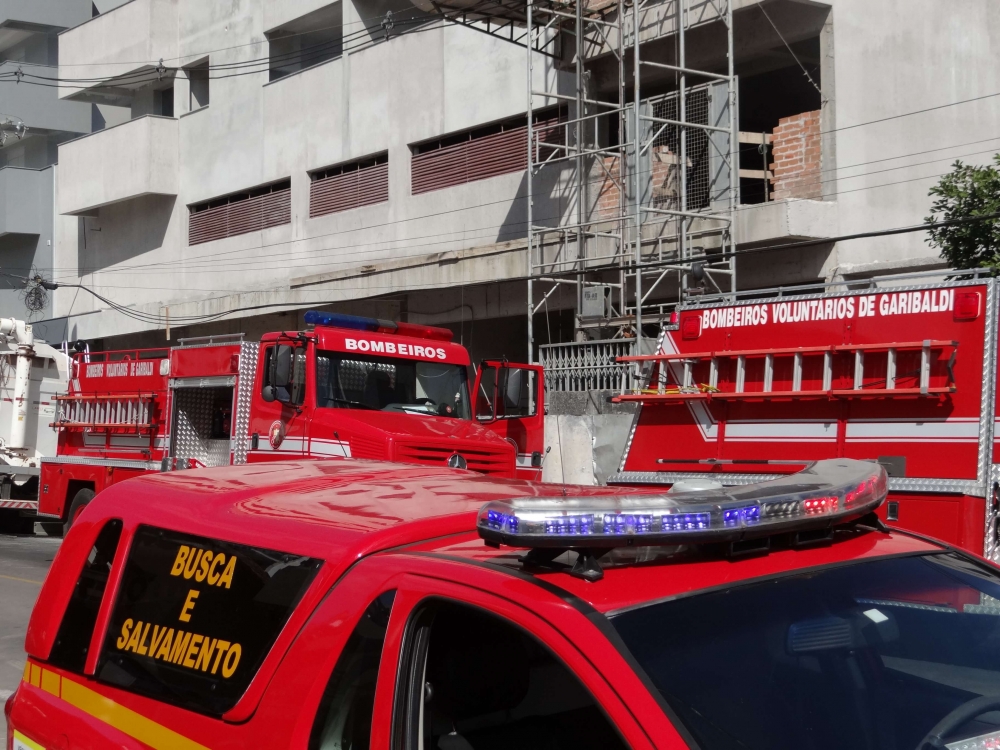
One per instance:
(195, 617)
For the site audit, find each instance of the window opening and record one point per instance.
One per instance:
(344, 717)
(195, 617)
(308, 40)
(73, 639)
(198, 83)
(457, 699)
(355, 381)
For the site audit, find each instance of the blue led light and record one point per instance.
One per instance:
(501, 521)
(686, 521)
(339, 320)
(573, 525)
(740, 516)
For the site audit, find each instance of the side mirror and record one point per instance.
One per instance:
(267, 393)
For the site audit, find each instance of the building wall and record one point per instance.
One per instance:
(380, 98)
(885, 59)
(878, 60)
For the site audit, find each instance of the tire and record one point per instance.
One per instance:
(80, 501)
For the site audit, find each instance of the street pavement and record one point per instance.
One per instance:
(24, 561)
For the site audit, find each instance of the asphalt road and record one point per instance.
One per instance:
(24, 561)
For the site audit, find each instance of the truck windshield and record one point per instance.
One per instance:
(356, 381)
(873, 655)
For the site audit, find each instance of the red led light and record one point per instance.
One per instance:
(423, 332)
(691, 327)
(966, 305)
(819, 505)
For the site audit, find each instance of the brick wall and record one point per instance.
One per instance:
(796, 153)
(666, 184)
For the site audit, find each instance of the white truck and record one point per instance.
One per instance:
(32, 374)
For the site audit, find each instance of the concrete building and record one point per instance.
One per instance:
(368, 155)
(29, 56)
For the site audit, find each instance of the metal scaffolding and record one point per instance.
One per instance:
(632, 188)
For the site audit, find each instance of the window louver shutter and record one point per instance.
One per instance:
(240, 216)
(476, 159)
(342, 192)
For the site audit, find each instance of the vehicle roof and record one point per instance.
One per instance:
(342, 509)
(331, 509)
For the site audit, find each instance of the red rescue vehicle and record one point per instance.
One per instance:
(895, 371)
(328, 605)
(348, 386)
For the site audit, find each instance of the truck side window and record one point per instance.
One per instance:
(73, 639)
(476, 681)
(344, 718)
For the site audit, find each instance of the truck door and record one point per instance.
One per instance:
(278, 422)
(510, 400)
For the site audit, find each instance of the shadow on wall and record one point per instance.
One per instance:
(548, 208)
(123, 231)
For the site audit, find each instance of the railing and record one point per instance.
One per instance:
(588, 366)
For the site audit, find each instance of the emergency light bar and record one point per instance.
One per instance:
(376, 325)
(822, 495)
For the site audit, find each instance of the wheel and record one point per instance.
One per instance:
(80, 501)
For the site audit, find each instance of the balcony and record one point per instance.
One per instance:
(117, 164)
(39, 106)
(112, 48)
(25, 201)
(785, 221)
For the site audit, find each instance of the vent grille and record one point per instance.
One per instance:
(479, 459)
(477, 158)
(240, 214)
(351, 187)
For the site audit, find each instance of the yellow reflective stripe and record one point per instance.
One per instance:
(36, 675)
(25, 742)
(113, 714)
(27, 672)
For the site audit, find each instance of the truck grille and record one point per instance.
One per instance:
(479, 459)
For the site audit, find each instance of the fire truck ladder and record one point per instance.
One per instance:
(687, 389)
(119, 413)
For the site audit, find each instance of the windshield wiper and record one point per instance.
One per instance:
(351, 403)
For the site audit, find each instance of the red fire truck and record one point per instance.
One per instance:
(900, 372)
(348, 386)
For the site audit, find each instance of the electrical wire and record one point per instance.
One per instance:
(205, 261)
(197, 320)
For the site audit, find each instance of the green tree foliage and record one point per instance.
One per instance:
(966, 192)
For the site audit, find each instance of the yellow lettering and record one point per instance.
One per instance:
(229, 665)
(133, 641)
(182, 554)
(227, 574)
(192, 564)
(204, 659)
(163, 652)
(213, 577)
(180, 647)
(192, 650)
(222, 647)
(158, 634)
(126, 626)
(142, 642)
(203, 564)
(188, 605)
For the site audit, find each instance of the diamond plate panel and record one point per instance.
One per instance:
(244, 394)
(193, 427)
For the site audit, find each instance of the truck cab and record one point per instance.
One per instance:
(376, 389)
